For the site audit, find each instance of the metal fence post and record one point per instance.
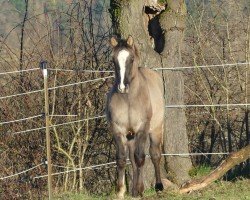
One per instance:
(43, 66)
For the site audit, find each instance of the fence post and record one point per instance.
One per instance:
(43, 66)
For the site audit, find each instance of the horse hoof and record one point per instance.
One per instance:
(136, 198)
(118, 197)
(158, 187)
(135, 194)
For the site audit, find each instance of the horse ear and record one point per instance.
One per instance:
(130, 40)
(113, 41)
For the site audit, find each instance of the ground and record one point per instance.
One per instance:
(220, 190)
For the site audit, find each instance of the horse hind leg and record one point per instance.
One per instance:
(155, 153)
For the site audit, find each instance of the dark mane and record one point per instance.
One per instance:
(123, 44)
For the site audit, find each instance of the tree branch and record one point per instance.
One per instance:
(22, 39)
(234, 159)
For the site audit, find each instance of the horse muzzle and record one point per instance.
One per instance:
(123, 89)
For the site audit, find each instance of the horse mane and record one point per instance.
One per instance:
(123, 43)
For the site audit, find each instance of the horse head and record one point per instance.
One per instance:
(125, 59)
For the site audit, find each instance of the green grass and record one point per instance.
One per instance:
(200, 171)
(220, 190)
(72, 196)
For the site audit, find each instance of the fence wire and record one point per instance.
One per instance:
(100, 165)
(19, 71)
(57, 125)
(203, 66)
(128, 162)
(103, 116)
(207, 105)
(96, 117)
(21, 94)
(82, 82)
(20, 120)
(158, 68)
(22, 172)
(81, 70)
(53, 88)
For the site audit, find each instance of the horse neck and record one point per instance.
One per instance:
(136, 85)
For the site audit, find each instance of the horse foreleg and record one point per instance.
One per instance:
(121, 164)
(155, 153)
(131, 146)
(140, 142)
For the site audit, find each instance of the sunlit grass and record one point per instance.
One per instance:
(200, 171)
(220, 190)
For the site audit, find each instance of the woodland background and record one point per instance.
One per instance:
(72, 34)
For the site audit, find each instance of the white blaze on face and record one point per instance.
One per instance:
(122, 58)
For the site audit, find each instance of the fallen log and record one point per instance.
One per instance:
(233, 159)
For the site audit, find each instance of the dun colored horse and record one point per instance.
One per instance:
(135, 111)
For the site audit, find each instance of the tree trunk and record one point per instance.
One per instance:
(176, 141)
(158, 35)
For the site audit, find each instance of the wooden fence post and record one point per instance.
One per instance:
(43, 66)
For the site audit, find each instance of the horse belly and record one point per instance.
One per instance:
(155, 87)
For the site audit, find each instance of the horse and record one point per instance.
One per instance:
(135, 111)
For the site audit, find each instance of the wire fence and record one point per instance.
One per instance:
(108, 77)
(208, 105)
(20, 120)
(21, 94)
(247, 64)
(157, 68)
(92, 167)
(19, 71)
(81, 70)
(113, 164)
(205, 66)
(161, 68)
(22, 172)
(53, 88)
(57, 125)
(103, 116)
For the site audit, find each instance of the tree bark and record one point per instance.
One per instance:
(234, 159)
(146, 21)
(176, 140)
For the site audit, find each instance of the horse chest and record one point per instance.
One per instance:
(130, 117)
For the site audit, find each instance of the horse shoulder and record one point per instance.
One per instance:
(153, 78)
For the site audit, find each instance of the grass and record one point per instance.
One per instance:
(220, 190)
(200, 171)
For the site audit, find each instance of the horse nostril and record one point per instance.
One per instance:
(123, 89)
(120, 89)
(127, 88)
